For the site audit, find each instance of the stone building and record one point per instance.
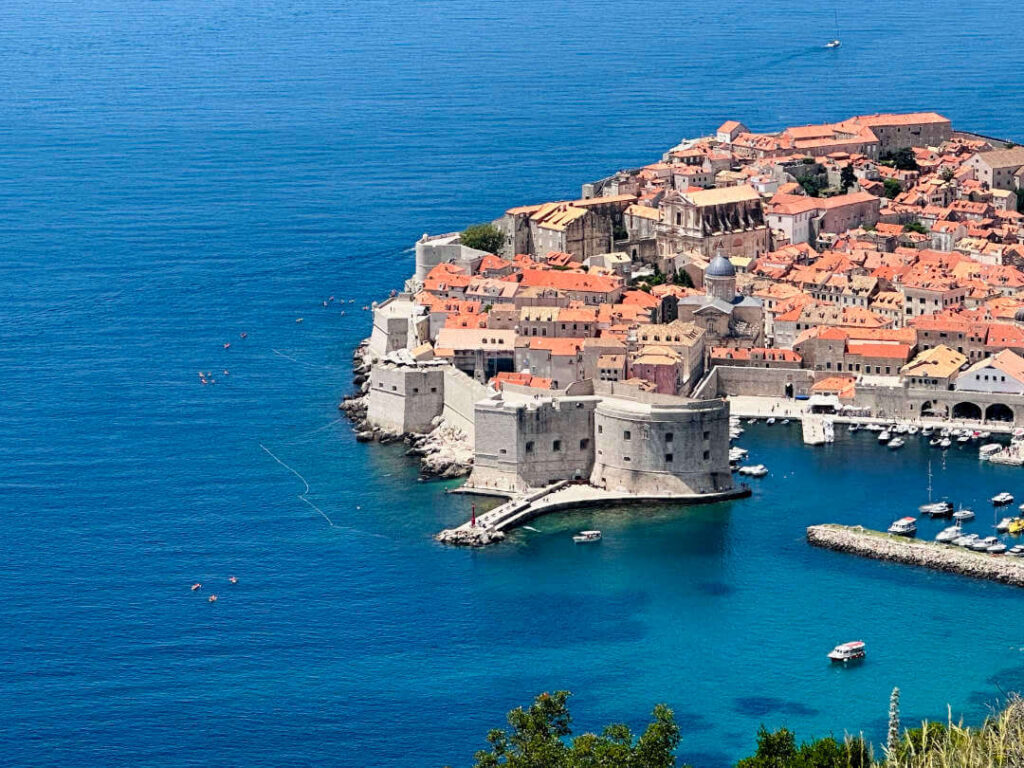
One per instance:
(405, 398)
(722, 313)
(913, 129)
(661, 445)
(709, 220)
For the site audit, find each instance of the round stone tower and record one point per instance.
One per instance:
(720, 279)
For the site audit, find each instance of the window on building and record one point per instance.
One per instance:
(600, 429)
(556, 445)
(626, 458)
(668, 437)
(707, 455)
(627, 435)
(584, 443)
(529, 446)
(433, 389)
(502, 451)
(394, 388)
(668, 458)
(707, 434)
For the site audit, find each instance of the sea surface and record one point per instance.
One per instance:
(177, 173)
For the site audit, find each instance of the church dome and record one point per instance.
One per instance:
(720, 267)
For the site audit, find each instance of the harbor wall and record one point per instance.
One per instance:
(727, 380)
(461, 393)
(403, 399)
(926, 554)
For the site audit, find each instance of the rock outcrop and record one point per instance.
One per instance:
(927, 554)
(469, 537)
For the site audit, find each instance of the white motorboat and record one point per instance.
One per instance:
(997, 549)
(1016, 551)
(884, 436)
(979, 545)
(912, 430)
(963, 515)
(984, 435)
(1004, 525)
(833, 43)
(965, 541)
(1002, 499)
(902, 429)
(989, 450)
(944, 443)
(754, 470)
(964, 439)
(771, 420)
(896, 442)
(934, 442)
(785, 421)
(936, 509)
(853, 428)
(587, 537)
(751, 421)
(949, 535)
(905, 526)
(848, 651)
(926, 431)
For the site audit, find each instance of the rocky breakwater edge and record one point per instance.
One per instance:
(865, 542)
(445, 452)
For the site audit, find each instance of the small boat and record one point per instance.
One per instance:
(1003, 526)
(587, 537)
(989, 450)
(197, 586)
(1016, 551)
(212, 598)
(896, 443)
(944, 443)
(754, 470)
(853, 428)
(833, 43)
(848, 652)
(997, 549)
(949, 535)
(965, 541)
(884, 436)
(963, 515)
(905, 526)
(934, 442)
(936, 509)
(964, 439)
(785, 421)
(227, 345)
(979, 545)
(751, 421)
(985, 435)
(926, 431)
(771, 420)
(1016, 526)
(902, 429)
(1002, 499)
(912, 430)
(233, 579)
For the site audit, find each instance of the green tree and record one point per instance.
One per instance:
(892, 188)
(915, 226)
(483, 237)
(539, 737)
(810, 185)
(902, 159)
(682, 277)
(946, 174)
(778, 749)
(847, 178)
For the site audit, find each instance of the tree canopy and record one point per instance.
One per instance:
(847, 178)
(483, 237)
(892, 188)
(778, 749)
(539, 737)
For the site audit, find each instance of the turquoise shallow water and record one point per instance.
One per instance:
(176, 173)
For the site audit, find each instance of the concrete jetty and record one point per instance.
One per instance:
(492, 526)
(856, 540)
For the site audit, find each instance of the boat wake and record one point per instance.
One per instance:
(305, 483)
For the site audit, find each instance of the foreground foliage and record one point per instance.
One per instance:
(483, 237)
(539, 738)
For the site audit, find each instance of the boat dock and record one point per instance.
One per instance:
(491, 527)
(817, 430)
(876, 545)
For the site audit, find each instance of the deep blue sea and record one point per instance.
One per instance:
(176, 173)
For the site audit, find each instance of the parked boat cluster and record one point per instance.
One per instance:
(955, 535)
(893, 436)
(738, 455)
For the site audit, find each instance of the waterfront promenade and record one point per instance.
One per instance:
(746, 407)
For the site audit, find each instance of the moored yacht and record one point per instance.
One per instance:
(896, 442)
(587, 537)
(1003, 526)
(949, 535)
(936, 509)
(754, 470)
(1002, 499)
(905, 526)
(989, 450)
(884, 436)
(963, 515)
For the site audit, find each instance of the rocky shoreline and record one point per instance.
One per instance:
(856, 540)
(445, 452)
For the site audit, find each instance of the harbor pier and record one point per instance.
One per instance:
(876, 545)
(491, 527)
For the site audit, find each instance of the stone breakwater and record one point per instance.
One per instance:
(856, 540)
(444, 452)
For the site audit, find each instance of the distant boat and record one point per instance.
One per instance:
(895, 443)
(835, 42)
(586, 537)
(1001, 499)
(905, 526)
(848, 652)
